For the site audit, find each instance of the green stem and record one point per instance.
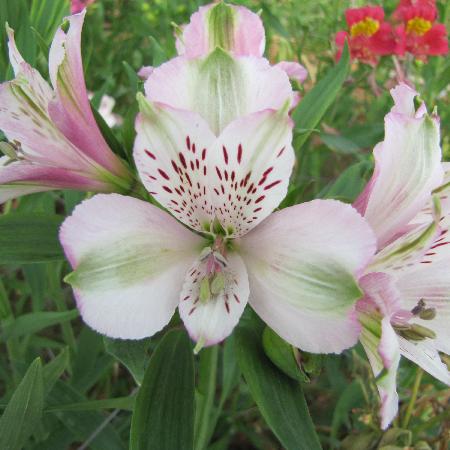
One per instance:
(413, 398)
(205, 397)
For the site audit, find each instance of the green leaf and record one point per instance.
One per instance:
(132, 354)
(205, 419)
(54, 369)
(108, 134)
(28, 238)
(34, 322)
(83, 425)
(316, 102)
(349, 184)
(282, 355)
(279, 398)
(24, 410)
(163, 416)
(125, 403)
(350, 398)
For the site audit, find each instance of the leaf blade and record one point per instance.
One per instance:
(29, 237)
(279, 398)
(169, 384)
(24, 410)
(317, 101)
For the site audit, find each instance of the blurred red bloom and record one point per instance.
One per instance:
(77, 6)
(419, 34)
(369, 36)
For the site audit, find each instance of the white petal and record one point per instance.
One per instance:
(429, 282)
(380, 343)
(249, 169)
(170, 151)
(425, 355)
(220, 88)
(407, 168)
(211, 322)
(302, 264)
(130, 259)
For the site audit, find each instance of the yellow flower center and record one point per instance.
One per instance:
(366, 27)
(418, 26)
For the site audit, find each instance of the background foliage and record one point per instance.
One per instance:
(80, 389)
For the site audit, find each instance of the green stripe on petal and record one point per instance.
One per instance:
(121, 266)
(222, 78)
(221, 26)
(411, 246)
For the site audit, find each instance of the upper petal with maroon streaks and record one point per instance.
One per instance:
(237, 178)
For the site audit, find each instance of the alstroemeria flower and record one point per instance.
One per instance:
(134, 264)
(406, 305)
(369, 35)
(419, 34)
(233, 28)
(55, 141)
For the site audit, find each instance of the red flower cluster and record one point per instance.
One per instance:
(370, 37)
(419, 34)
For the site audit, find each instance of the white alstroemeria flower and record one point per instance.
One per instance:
(406, 306)
(134, 264)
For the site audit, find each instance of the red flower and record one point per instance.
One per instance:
(418, 34)
(369, 36)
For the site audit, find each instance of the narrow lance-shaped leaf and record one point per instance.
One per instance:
(279, 398)
(24, 410)
(316, 102)
(163, 416)
(34, 322)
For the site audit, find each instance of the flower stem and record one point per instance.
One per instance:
(413, 398)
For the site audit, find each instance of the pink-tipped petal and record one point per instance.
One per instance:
(407, 168)
(380, 303)
(249, 168)
(129, 261)
(145, 71)
(24, 118)
(294, 70)
(303, 272)
(211, 321)
(71, 110)
(380, 346)
(241, 32)
(170, 151)
(193, 41)
(21, 178)
(220, 88)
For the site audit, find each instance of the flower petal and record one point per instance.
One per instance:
(426, 355)
(21, 178)
(407, 168)
(170, 152)
(71, 111)
(429, 281)
(24, 117)
(129, 261)
(234, 28)
(302, 273)
(380, 344)
(212, 321)
(249, 169)
(380, 302)
(219, 87)
(294, 70)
